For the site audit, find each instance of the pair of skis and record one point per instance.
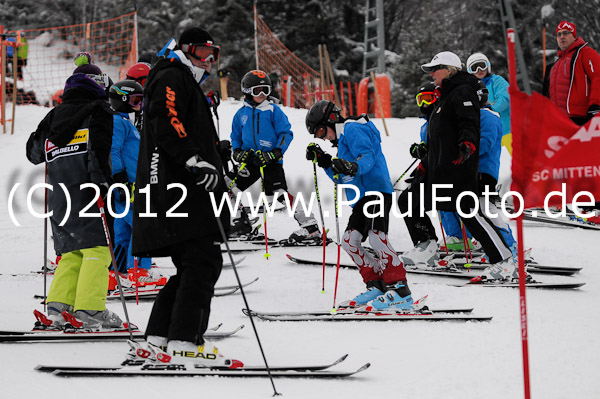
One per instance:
(180, 370)
(446, 272)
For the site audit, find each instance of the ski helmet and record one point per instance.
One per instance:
(256, 82)
(125, 95)
(138, 72)
(482, 93)
(322, 114)
(478, 62)
(194, 38)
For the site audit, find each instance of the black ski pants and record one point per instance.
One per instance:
(420, 228)
(182, 308)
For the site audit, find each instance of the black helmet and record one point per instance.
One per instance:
(256, 82)
(482, 93)
(194, 38)
(125, 95)
(323, 113)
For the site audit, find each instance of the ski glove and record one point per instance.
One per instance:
(465, 150)
(418, 151)
(206, 175)
(593, 110)
(344, 167)
(214, 98)
(121, 177)
(313, 151)
(241, 156)
(267, 157)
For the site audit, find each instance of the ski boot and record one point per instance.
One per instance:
(374, 289)
(397, 298)
(112, 281)
(456, 244)
(306, 235)
(147, 277)
(54, 320)
(424, 252)
(154, 352)
(240, 227)
(503, 270)
(206, 355)
(95, 320)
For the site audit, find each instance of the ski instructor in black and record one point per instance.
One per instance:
(179, 165)
(453, 135)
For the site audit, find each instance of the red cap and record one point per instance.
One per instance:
(568, 26)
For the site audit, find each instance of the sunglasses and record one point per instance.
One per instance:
(563, 33)
(192, 48)
(261, 89)
(426, 97)
(437, 68)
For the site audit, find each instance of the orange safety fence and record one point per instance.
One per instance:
(274, 57)
(50, 52)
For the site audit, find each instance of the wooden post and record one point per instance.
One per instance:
(344, 110)
(14, 93)
(223, 81)
(321, 79)
(379, 102)
(330, 70)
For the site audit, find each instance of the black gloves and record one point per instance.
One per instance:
(267, 157)
(313, 151)
(465, 150)
(122, 178)
(418, 150)
(344, 167)
(241, 156)
(206, 175)
(593, 110)
(214, 98)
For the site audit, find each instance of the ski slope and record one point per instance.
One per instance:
(417, 360)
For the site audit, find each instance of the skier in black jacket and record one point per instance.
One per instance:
(178, 166)
(74, 140)
(453, 134)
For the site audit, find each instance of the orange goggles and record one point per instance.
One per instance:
(426, 97)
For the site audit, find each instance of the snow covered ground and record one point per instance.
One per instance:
(409, 359)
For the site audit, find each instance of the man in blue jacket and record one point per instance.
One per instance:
(361, 163)
(260, 135)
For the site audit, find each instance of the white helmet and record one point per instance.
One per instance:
(477, 62)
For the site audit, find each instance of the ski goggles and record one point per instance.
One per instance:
(261, 89)
(478, 66)
(135, 99)
(195, 51)
(320, 131)
(102, 79)
(426, 97)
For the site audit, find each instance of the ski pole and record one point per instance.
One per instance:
(322, 220)
(262, 185)
(405, 172)
(468, 255)
(100, 203)
(46, 239)
(224, 236)
(443, 234)
(337, 231)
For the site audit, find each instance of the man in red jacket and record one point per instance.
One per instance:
(573, 82)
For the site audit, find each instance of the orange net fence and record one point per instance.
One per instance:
(274, 57)
(50, 52)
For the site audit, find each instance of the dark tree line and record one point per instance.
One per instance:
(415, 30)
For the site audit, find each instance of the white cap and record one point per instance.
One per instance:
(475, 58)
(444, 58)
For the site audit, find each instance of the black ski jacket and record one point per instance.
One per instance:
(177, 125)
(454, 119)
(75, 139)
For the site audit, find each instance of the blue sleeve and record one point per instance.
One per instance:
(283, 129)
(502, 100)
(424, 133)
(236, 131)
(361, 148)
(488, 134)
(118, 141)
